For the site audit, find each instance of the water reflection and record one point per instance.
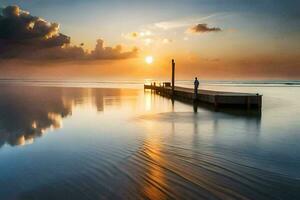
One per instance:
(29, 112)
(127, 144)
(26, 113)
(197, 160)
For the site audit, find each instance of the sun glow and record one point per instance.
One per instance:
(149, 59)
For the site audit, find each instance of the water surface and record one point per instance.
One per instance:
(110, 143)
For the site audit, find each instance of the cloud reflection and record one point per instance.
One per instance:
(29, 112)
(26, 113)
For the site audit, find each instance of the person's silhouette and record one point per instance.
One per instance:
(196, 85)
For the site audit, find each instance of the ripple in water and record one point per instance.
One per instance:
(127, 144)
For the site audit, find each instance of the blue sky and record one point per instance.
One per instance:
(137, 13)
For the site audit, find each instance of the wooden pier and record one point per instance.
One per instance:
(217, 99)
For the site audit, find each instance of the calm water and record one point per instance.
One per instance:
(83, 143)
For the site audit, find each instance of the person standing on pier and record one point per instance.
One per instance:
(196, 85)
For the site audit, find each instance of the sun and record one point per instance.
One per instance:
(149, 59)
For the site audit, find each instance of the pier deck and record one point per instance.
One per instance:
(216, 98)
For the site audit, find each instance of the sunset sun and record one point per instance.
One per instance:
(149, 59)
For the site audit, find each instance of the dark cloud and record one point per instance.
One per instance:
(21, 32)
(25, 36)
(203, 28)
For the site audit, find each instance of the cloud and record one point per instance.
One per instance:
(167, 41)
(102, 52)
(134, 35)
(19, 31)
(147, 37)
(179, 23)
(131, 36)
(203, 28)
(137, 35)
(25, 36)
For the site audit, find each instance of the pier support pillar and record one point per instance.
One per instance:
(248, 103)
(173, 76)
(216, 104)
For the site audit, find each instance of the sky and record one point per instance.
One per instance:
(211, 39)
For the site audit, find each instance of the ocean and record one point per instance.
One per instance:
(113, 140)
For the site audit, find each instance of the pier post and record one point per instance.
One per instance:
(259, 103)
(216, 104)
(173, 76)
(248, 103)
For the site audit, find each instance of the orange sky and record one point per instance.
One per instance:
(137, 68)
(208, 40)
